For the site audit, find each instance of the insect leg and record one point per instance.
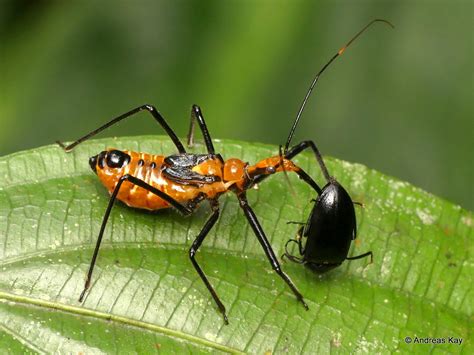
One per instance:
(302, 175)
(194, 248)
(295, 150)
(369, 253)
(253, 221)
(290, 256)
(196, 115)
(307, 179)
(151, 109)
(184, 210)
(299, 237)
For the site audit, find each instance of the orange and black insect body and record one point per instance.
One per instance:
(187, 178)
(184, 180)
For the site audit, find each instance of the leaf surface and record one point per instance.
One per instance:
(146, 296)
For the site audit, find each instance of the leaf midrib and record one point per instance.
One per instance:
(119, 319)
(169, 246)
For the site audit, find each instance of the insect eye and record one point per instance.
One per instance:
(271, 169)
(117, 159)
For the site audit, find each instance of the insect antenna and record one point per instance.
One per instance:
(316, 78)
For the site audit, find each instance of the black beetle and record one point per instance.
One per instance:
(329, 231)
(332, 224)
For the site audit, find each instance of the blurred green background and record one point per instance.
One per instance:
(399, 101)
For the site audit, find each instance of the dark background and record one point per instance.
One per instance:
(399, 101)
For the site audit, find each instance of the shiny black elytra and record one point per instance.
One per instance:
(329, 231)
(331, 226)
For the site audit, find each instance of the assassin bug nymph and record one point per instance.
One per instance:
(331, 225)
(184, 180)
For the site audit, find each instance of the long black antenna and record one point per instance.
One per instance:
(316, 78)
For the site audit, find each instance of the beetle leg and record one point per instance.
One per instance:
(299, 223)
(369, 253)
(151, 109)
(192, 252)
(293, 258)
(286, 246)
(253, 221)
(196, 115)
(289, 256)
(299, 235)
(184, 210)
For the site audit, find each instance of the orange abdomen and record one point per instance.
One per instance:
(148, 168)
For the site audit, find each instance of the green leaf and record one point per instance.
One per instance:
(146, 296)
